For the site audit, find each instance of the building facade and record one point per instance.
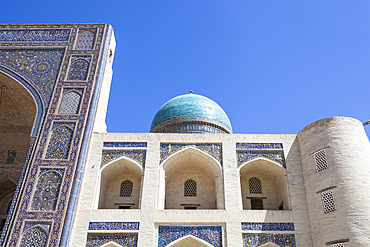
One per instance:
(65, 181)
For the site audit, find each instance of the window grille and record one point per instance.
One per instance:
(190, 188)
(320, 160)
(255, 186)
(70, 103)
(10, 159)
(126, 188)
(337, 245)
(328, 201)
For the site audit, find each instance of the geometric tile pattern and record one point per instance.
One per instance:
(47, 190)
(60, 140)
(70, 103)
(85, 38)
(247, 155)
(210, 234)
(259, 146)
(213, 149)
(34, 237)
(39, 56)
(79, 68)
(34, 35)
(40, 66)
(124, 239)
(43, 224)
(114, 226)
(124, 144)
(137, 155)
(257, 239)
(255, 226)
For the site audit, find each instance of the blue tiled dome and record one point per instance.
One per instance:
(191, 113)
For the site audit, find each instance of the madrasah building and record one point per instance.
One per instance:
(65, 181)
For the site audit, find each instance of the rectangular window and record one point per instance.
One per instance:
(10, 159)
(328, 201)
(256, 204)
(320, 160)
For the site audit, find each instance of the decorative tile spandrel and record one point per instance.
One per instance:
(60, 140)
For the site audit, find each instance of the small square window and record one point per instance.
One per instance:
(257, 204)
(10, 159)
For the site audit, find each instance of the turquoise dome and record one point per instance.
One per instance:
(191, 113)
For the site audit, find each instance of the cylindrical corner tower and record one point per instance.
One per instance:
(335, 155)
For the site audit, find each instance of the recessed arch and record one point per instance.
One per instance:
(269, 244)
(189, 241)
(272, 177)
(111, 244)
(112, 175)
(19, 84)
(190, 163)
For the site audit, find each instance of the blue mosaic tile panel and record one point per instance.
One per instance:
(257, 239)
(86, 38)
(124, 144)
(60, 140)
(40, 66)
(34, 237)
(252, 226)
(273, 155)
(191, 128)
(213, 149)
(70, 103)
(47, 190)
(34, 35)
(210, 234)
(110, 155)
(114, 226)
(259, 146)
(43, 224)
(124, 239)
(79, 68)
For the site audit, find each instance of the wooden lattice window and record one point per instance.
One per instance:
(190, 188)
(126, 188)
(255, 186)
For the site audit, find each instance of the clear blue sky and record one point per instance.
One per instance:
(274, 66)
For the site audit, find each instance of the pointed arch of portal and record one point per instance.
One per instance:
(269, 244)
(9, 77)
(195, 164)
(189, 241)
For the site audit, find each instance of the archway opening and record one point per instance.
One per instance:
(120, 186)
(264, 185)
(190, 241)
(191, 179)
(17, 116)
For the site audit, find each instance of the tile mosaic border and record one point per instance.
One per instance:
(114, 226)
(240, 145)
(248, 155)
(213, 149)
(124, 144)
(259, 226)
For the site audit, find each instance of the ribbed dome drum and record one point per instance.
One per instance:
(191, 113)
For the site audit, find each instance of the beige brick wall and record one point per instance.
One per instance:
(348, 154)
(206, 194)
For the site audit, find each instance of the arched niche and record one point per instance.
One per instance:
(111, 244)
(269, 244)
(272, 177)
(190, 241)
(112, 177)
(190, 164)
